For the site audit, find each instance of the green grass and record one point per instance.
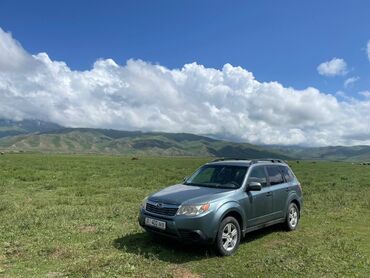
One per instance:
(76, 216)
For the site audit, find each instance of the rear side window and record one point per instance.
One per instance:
(275, 176)
(287, 173)
(258, 174)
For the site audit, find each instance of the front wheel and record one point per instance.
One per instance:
(228, 237)
(292, 217)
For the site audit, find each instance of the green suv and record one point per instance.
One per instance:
(223, 200)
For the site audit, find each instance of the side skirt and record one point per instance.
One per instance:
(260, 226)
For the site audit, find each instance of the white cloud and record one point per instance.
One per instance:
(368, 49)
(365, 94)
(350, 81)
(138, 95)
(333, 67)
(342, 95)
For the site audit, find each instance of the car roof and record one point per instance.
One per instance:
(231, 162)
(246, 162)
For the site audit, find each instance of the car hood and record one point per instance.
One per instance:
(181, 193)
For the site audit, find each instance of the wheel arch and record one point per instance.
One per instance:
(293, 198)
(236, 215)
(232, 209)
(295, 201)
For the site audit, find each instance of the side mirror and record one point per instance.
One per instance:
(254, 186)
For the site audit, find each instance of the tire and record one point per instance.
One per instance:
(292, 217)
(228, 237)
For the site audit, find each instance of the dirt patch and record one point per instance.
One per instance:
(13, 249)
(181, 272)
(60, 253)
(2, 267)
(88, 229)
(276, 243)
(55, 274)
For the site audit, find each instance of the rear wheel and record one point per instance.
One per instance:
(292, 217)
(228, 237)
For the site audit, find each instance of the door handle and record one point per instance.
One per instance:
(268, 194)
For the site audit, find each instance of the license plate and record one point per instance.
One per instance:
(155, 223)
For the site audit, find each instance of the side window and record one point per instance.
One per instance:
(258, 174)
(288, 175)
(275, 176)
(229, 174)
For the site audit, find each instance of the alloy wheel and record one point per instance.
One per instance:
(229, 236)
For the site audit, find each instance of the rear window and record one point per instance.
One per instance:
(274, 175)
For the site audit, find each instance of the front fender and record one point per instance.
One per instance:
(228, 207)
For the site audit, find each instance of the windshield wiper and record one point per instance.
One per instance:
(191, 183)
(202, 184)
(233, 185)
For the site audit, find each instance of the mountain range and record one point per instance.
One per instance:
(40, 136)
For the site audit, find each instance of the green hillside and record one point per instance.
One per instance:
(131, 143)
(39, 136)
(353, 153)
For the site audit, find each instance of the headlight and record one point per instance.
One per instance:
(192, 210)
(143, 203)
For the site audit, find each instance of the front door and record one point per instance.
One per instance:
(259, 202)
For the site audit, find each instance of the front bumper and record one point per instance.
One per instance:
(200, 228)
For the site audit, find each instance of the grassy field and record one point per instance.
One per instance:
(76, 216)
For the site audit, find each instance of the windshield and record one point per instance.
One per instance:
(221, 176)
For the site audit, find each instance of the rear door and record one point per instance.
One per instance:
(279, 189)
(259, 203)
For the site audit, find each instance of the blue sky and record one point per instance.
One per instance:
(276, 40)
(264, 72)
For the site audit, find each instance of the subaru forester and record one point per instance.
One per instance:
(223, 200)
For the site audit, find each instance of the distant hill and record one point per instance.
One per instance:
(11, 128)
(352, 153)
(84, 140)
(31, 135)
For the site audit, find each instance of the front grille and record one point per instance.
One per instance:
(169, 211)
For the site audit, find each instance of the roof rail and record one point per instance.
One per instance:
(228, 158)
(253, 161)
(273, 160)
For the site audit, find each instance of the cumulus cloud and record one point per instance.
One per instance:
(333, 67)
(227, 102)
(350, 81)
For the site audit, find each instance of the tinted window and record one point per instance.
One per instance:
(258, 174)
(204, 176)
(275, 176)
(218, 176)
(288, 175)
